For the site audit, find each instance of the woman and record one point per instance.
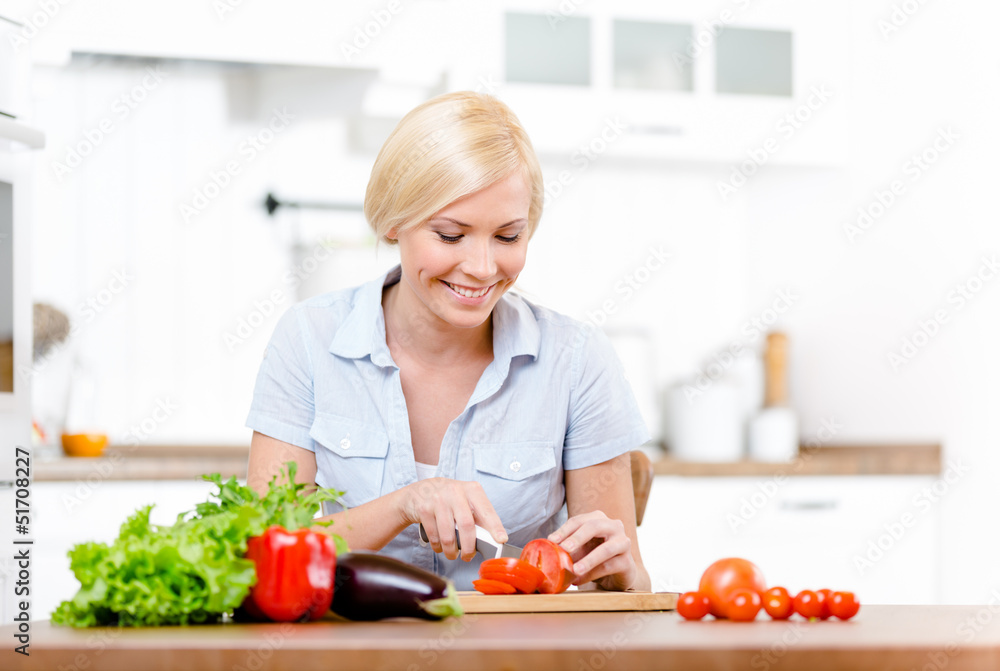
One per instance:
(432, 395)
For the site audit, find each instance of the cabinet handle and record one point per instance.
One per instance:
(828, 504)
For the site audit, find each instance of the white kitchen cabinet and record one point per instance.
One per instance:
(803, 532)
(67, 513)
(678, 108)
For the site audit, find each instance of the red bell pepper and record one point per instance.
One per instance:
(294, 574)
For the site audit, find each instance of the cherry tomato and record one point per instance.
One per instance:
(692, 605)
(524, 577)
(724, 576)
(824, 601)
(844, 605)
(778, 603)
(743, 604)
(492, 586)
(553, 561)
(808, 604)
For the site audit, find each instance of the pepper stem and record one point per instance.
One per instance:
(447, 606)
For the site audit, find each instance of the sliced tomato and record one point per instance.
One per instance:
(524, 577)
(554, 562)
(492, 586)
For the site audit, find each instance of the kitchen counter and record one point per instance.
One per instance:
(189, 462)
(879, 637)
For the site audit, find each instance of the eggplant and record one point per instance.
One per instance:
(368, 587)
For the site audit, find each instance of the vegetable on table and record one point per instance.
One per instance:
(726, 575)
(294, 574)
(193, 571)
(692, 605)
(844, 605)
(543, 567)
(734, 589)
(554, 562)
(487, 586)
(778, 603)
(368, 586)
(520, 575)
(743, 604)
(809, 604)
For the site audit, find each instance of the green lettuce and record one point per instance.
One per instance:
(193, 571)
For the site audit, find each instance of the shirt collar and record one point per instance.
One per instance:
(515, 329)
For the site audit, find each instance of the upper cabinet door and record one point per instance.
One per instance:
(676, 80)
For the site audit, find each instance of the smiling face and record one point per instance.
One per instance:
(460, 262)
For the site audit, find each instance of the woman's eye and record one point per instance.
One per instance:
(449, 238)
(511, 239)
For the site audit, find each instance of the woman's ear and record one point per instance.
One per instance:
(392, 233)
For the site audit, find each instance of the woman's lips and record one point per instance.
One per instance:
(459, 291)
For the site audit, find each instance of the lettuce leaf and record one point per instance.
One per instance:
(193, 571)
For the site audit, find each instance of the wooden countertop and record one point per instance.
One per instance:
(189, 462)
(879, 638)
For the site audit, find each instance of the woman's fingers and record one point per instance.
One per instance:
(450, 511)
(580, 532)
(466, 526)
(611, 556)
(598, 546)
(484, 514)
(445, 520)
(568, 528)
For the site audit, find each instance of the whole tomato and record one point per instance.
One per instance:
(743, 604)
(778, 603)
(725, 575)
(825, 596)
(844, 605)
(809, 604)
(692, 605)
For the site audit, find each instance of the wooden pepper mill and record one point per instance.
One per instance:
(773, 434)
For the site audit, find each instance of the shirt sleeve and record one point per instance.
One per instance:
(604, 418)
(283, 399)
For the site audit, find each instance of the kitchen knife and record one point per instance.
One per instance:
(485, 544)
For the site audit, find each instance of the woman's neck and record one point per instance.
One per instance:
(415, 332)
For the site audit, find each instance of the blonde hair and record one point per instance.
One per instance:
(449, 147)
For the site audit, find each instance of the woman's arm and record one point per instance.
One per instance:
(441, 504)
(600, 532)
(370, 526)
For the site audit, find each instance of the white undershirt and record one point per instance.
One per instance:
(425, 471)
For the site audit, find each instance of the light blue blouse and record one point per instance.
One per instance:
(554, 398)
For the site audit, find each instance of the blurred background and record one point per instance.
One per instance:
(715, 172)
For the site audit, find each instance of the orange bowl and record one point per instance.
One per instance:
(84, 444)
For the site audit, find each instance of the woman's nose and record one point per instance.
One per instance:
(481, 263)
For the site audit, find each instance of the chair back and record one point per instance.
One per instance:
(642, 482)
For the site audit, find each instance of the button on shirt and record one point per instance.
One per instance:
(554, 398)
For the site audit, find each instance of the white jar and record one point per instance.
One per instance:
(705, 425)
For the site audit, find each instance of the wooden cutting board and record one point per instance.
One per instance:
(567, 602)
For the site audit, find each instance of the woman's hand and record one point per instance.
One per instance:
(601, 550)
(444, 505)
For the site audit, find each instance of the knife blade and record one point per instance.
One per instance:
(485, 544)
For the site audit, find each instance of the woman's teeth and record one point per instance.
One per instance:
(466, 292)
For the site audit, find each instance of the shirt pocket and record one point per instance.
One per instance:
(519, 479)
(350, 457)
